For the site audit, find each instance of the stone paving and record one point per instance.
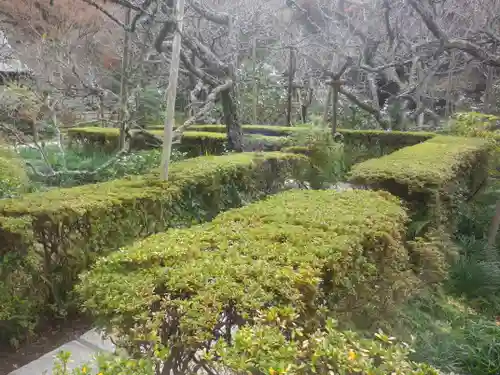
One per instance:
(83, 350)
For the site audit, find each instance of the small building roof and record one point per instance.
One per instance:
(9, 63)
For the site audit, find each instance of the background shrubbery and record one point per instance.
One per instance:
(137, 163)
(54, 235)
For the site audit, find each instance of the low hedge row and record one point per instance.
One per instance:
(210, 139)
(13, 177)
(430, 174)
(48, 238)
(269, 130)
(108, 138)
(360, 144)
(314, 251)
(388, 140)
(193, 143)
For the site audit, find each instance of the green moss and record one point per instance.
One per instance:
(66, 229)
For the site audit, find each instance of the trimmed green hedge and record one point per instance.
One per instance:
(363, 145)
(307, 250)
(107, 138)
(428, 174)
(48, 238)
(388, 140)
(269, 130)
(13, 177)
(360, 144)
(193, 143)
(210, 139)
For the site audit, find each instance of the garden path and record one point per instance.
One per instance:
(83, 350)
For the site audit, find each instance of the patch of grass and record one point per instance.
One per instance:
(455, 326)
(135, 163)
(476, 275)
(450, 335)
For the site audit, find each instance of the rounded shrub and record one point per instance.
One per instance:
(318, 252)
(326, 156)
(269, 349)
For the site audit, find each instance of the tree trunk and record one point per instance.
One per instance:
(255, 95)
(327, 106)
(489, 95)
(124, 136)
(303, 113)
(449, 87)
(101, 111)
(495, 225)
(291, 74)
(34, 129)
(303, 106)
(372, 82)
(421, 121)
(335, 91)
(171, 95)
(234, 131)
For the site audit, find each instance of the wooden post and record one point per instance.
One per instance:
(291, 74)
(168, 130)
(124, 85)
(449, 87)
(255, 80)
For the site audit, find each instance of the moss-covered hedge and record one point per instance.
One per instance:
(388, 141)
(309, 250)
(359, 144)
(13, 177)
(48, 238)
(430, 174)
(193, 143)
(269, 130)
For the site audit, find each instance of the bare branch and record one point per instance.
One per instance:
(107, 13)
(366, 107)
(428, 19)
(461, 44)
(210, 102)
(210, 14)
